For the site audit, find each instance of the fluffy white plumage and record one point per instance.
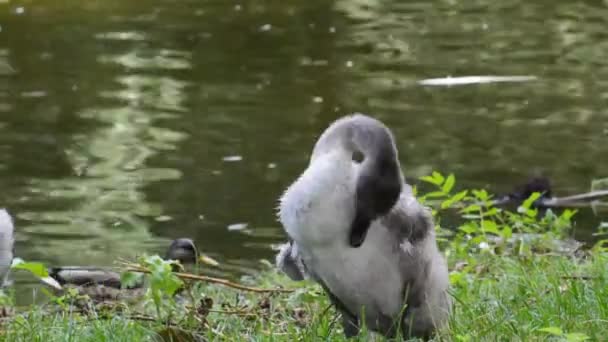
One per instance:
(399, 252)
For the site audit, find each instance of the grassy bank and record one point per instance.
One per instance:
(512, 279)
(508, 298)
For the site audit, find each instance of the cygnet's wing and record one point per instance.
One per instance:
(7, 241)
(409, 220)
(410, 223)
(289, 261)
(419, 263)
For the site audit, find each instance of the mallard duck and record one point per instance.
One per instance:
(355, 227)
(97, 282)
(104, 284)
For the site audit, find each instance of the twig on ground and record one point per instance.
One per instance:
(238, 313)
(581, 277)
(221, 281)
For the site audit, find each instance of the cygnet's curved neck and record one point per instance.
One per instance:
(379, 180)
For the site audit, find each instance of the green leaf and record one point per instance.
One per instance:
(449, 184)
(470, 208)
(435, 178)
(446, 204)
(459, 196)
(491, 212)
(434, 194)
(527, 204)
(437, 175)
(552, 330)
(468, 228)
(478, 239)
(568, 214)
(489, 226)
(162, 279)
(481, 195)
(454, 199)
(463, 338)
(457, 278)
(168, 285)
(429, 179)
(130, 279)
(36, 268)
(575, 337)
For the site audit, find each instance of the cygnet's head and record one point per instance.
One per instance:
(182, 250)
(353, 178)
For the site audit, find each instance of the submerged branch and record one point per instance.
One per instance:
(584, 200)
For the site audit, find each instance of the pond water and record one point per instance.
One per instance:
(124, 124)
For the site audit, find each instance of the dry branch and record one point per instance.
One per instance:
(221, 281)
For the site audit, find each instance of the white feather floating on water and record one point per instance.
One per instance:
(464, 80)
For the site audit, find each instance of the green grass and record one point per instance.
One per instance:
(506, 299)
(515, 299)
(40, 326)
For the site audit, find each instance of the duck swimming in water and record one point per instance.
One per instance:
(97, 282)
(355, 227)
(182, 250)
(100, 283)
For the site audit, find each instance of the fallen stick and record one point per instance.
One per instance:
(189, 276)
(579, 277)
(237, 313)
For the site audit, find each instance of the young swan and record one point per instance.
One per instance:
(355, 227)
(7, 241)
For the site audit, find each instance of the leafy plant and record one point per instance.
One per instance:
(37, 269)
(163, 284)
(483, 227)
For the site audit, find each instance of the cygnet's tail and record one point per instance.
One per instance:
(289, 262)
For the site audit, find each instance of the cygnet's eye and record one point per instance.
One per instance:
(358, 156)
